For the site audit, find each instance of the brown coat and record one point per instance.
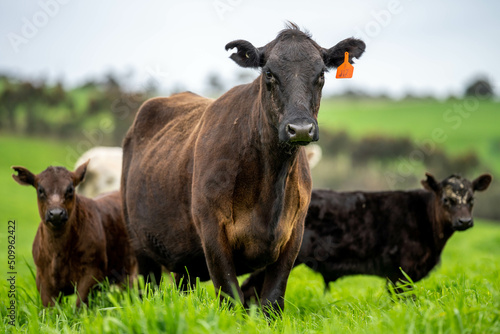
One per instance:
(80, 241)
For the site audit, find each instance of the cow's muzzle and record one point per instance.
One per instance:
(462, 224)
(300, 132)
(56, 217)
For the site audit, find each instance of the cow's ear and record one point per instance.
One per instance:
(334, 56)
(24, 177)
(246, 55)
(482, 182)
(79, 173)
(430, 183)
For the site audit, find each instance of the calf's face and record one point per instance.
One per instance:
(55, 188)
(293, 74)
(455, 198)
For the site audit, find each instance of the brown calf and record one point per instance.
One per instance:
(79, 241)
(380, 233)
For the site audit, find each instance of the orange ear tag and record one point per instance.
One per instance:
(345, 70)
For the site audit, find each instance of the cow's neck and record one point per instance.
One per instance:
(441, 232)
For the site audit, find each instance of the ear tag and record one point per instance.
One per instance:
(345, 70)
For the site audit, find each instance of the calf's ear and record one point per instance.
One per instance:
(79, 173)
(246, 54)
(334, 56)
(482, 182)
(24, 177)
(430, 183)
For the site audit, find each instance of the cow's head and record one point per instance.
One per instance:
(292, 76)
(455, 198)
(55, 189)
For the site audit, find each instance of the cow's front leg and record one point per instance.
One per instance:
(91, 278)
(276, 274)
(220, 263)
(48, 293)
(212, 206)
(252, 286)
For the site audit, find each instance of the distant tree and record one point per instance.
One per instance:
(151, 87)
(90, 84)
(9, 98)
(123, 112)
(112, 82)
(215, 84)
(30, 96)
(410, 96)
(480, 88)
(354, 94)
(177, 88)
(243, 77)
(57, 95)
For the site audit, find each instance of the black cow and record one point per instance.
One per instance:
(377, 233)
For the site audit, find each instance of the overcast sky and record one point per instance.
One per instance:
(428, 47)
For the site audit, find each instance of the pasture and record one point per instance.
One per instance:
(464, 125)
(460, 296)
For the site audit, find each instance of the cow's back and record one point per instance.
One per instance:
(174, 112)
(362, 233)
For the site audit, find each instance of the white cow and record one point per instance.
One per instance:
(314, 154)
(103, 172)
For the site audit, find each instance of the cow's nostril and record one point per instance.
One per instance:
(311, 130)
(300, 133)
(465, 221)
(55, 213)
(57, 216)
(306, 129)
(462, 224)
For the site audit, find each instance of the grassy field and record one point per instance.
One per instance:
(460, 296)
(457, 126)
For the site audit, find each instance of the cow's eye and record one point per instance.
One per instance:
(322, 75)
(269, 75)
(470, 201)
(41, 192)
(70, 190)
